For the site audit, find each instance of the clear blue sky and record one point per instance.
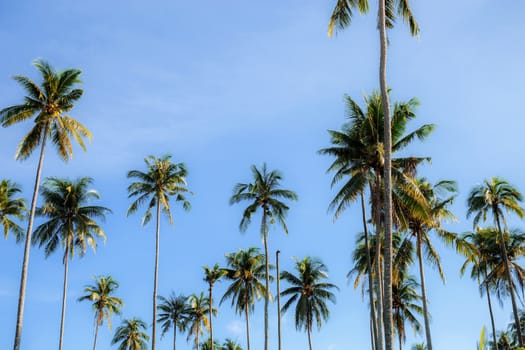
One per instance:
(223, 85)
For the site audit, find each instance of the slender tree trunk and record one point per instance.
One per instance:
(372, 340)
(509, 281)
(388, 179)
(370, 275)
(278, 299)
(97, 325)
(27, 246)
(309, 327)
(247, 314)
(211, 317)
(64, 294)
(423, 292)
(174, 337)
(378, 277)
(310, 338)
(494, 339)
(400, 342)
(264, 232)
(155, 279)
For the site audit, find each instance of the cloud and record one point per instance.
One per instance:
(236, 328)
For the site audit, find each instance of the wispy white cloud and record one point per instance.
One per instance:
(236, 328)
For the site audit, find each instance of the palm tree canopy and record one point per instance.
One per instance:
(230, 345)
(199, 306)
(246, 270)
(406, 305)
(173, 312)
(212, 275)
(11, 208)
(264, 192)
(344, 10)
(494, 196)
(50, 102)
(162, 180)
(70, 220)
(101, 295)
(130, 335)
(308, 292)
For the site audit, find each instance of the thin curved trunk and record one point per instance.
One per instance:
(387, 177)
(27, 246)
(155, 279)
(97, 325)
(246, 313)
(509, 281)
(309, 330)
(264, 231)
(64, 294)
(423, 292)
(370, 276)
(278, 299)
(211, 317)
(491, 313)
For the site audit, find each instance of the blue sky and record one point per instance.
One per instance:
(223, 85)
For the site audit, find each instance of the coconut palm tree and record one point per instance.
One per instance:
(71, 223)
(154, 188)
(358, 150)
(173, 313)
(246, 269)
(230, 345)
(49, 103)
(405, 307)
(492, 197)
(310, 293)
(264, 192)
(130, 335)
(211, 276)
(104, 303)
(341, 18)
(11, 208)
(420, 228)
(199, 305)
(481, 246)
(207, 345)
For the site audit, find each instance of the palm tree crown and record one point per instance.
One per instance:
(10, 208)
(199, 306)
(173, 313)
(130, 335)
(309, 294)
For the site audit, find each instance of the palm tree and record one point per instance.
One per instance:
(420, 346)
(341, 18)
(246, 269)
(71, 223)
(265, 193)
(420, 228)
(199, 305)
(309, 293)
(130, 335)
(49, 103)
(104, 303)
(358, 151)
(173, 313)
(493, 197)
(11, 208)
(207, 345)
(405, 306)
(212, 275)
(480, 251)
(162, 180)
(230, 345)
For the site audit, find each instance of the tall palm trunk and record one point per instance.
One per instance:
(423, 292)
(264, 230)
(64, 293)
(247, 314)
(211, 317)
(309, 330)
(376, 202)
(174, 337)
(509, 281)
(27, 246)
(97, 326)
(373, 319)
(490, 311)
(388, 179)
(278, 299)
(400, 339)
(155, 279)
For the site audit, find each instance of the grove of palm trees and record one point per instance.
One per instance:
(320, 175)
